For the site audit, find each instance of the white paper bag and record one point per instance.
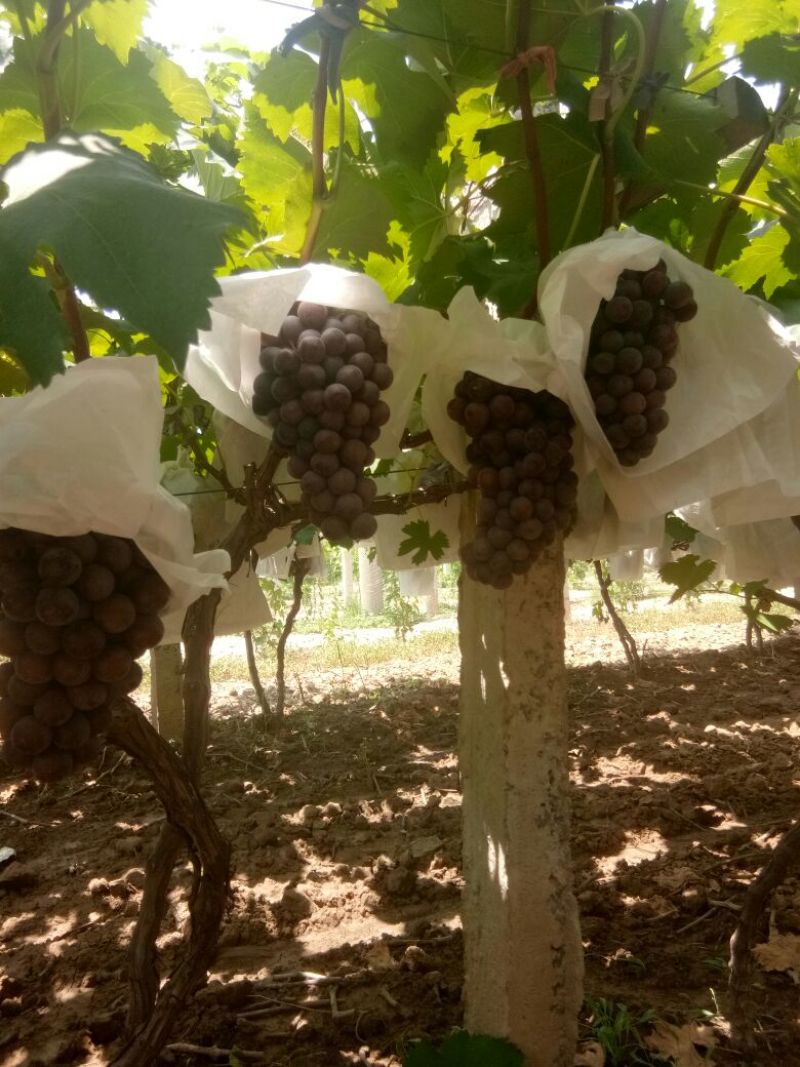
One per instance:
(223, 364)
(599, 532)
(732, 363)
(242, 607)
(83, 454)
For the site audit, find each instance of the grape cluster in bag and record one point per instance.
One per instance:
(521, 461)
(75, 614)
(320, 389)
(628, 370)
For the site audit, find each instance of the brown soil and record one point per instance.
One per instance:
(342, 940)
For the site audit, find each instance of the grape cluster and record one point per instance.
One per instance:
(521, 461)
(75, 614)
(320, 389)
(633, 342)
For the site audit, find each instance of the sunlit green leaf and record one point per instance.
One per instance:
(18, 129)
(186, 96)
(762, 261)
(117, 23)
(152, 261)
(687, 574)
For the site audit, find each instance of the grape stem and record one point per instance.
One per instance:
(299, 571)
(52, 122)
(623, 633)
(319, 184)
(532, 148)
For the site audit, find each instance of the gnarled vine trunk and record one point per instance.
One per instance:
(523, 956)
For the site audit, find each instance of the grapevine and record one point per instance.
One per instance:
(521, 461)
(628, 370)
(75, 614)
(320, 389)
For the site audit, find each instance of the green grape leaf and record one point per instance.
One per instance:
(686, 574)
(186, 96)
(153, 262)
(738, 21)
(356, 219)
(465, 1050)
(762, 261)
(117, 24)
(422, 542)
(773, 621)
(406, 108)
(18, 129)
(100, 93)
(775, 58)
(678, 530)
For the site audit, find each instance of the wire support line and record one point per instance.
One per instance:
(296, 481)
(392, 27)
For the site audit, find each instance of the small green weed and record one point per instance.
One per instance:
(619, 1031)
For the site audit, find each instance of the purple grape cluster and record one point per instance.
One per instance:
(75, 614)
(521, 461)
(320, 389)
(633, 341)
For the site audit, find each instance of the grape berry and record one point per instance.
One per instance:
(319, 389)
(521, 461)
(75, 613)
(633, 341)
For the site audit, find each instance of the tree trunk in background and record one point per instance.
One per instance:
(346, 559)
(166, 696)
(522, 945)
(370, 583)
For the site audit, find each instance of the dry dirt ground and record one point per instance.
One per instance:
(342, 939)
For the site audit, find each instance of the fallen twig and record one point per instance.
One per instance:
(211, 1052)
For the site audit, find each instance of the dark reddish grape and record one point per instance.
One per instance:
(44, 640)
(291, 412)
(620, 385)
(16, 575)
(602, 362)
(144, 633)
(327, 441)
(656, 399)
(611, 341)
(286, 362)
(382, 375)
(113, 664)
(342, 481)
(325, 464)
(619, 309)
(312, 316)
(657, 420)
(296, 467)
(130, 682)
(334, 528)
(501, 408)
(354, 342)
(313, 401)
(628, 361)
(335, 341)
(304, 450)
(677, 295)
(311, 483)
(33, 668)
(311, 376)
(348, 506)
(311, 348)
(96, 582)
(69, 671)
(633, 339)
(19, 603)
(322, 502)
(503, 519)
(74, 733)
(83, 640)
(634, 425)
(284, 389)
(87, 696)
(307, 427)
(654, 283)
(629, 287)
(337, 397)
(115, 614)
(10, 713)
(367, 490)
(456, 408)
(261, 406)
(380, 414)
(646, 443)
(645, 380)
(267, 357)
(364, 362)
(30, 736)
(642, 313)
(605, 404)
(114, 553)
(100, 719)
(332, 365)
(52, 707)
(617, 437)
(363, 526)
(332, 420)
(666, 378)
(663, 337)
(14, 545)
(359, 414)
(597, 384)
(687, 312)
(632, 404)
(290, 330)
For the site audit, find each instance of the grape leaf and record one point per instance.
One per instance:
(686, 574)
(186, 95)
(465, 1050)
(117, 23)
(775, 58)
(773, 622)
(305, 535)
(678, 530)
(152, 262)
(422, 542)
(18, 128)
(762, 259)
